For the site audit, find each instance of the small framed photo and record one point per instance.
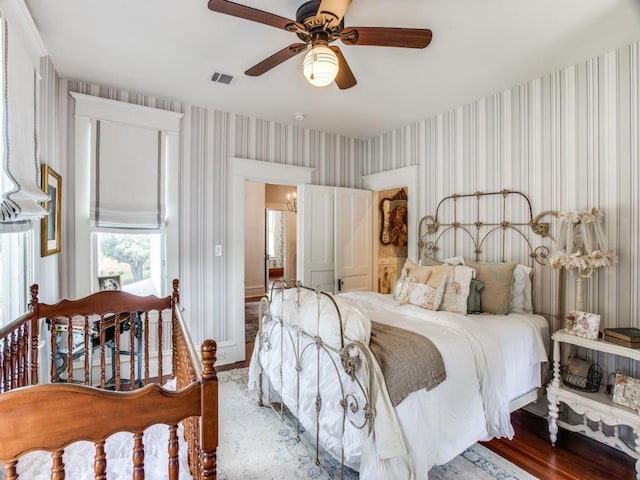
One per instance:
(109, 282)
(583, 324)
(626, 391)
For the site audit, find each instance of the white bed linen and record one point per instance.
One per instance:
(489, 361)
(453, 414)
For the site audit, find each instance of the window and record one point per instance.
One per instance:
(126, 196)
(15, 274)
(275, 238)
(136, 258)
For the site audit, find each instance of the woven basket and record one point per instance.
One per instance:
(590, 383)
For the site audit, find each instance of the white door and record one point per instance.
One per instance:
(353, 239)
(316, 259)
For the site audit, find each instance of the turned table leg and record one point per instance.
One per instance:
(553, 400)
(553, 419)
(637, 434)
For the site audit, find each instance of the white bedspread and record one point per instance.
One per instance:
(489, 360)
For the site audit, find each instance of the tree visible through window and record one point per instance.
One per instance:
(136, 258)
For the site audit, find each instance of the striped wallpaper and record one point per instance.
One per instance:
(209, 138)
(568, 140)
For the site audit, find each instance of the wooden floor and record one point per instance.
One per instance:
(574, 457)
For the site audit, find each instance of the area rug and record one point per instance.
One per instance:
(255, 444)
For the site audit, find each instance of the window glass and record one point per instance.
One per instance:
(15, 274)
(133, 262)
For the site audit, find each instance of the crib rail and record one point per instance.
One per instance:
(76, 413)
(108, 324)
(123, 411)
(200, 433)
(50, 417)
(19, 350)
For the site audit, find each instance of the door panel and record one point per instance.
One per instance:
(353, 239)
(316, 257)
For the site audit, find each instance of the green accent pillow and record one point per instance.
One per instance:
(473, 300)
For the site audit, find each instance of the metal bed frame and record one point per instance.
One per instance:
(438, 235)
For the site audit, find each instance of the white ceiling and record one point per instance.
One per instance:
(170, 48)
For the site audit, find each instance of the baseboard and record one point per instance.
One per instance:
(256, 290)
(255, 298)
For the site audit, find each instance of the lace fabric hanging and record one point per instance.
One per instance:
(582, 245)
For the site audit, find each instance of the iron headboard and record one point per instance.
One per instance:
(495, 226)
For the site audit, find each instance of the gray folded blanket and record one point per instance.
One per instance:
(408, 360)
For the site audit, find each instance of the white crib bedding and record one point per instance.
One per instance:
(78, 458)
(489, 360)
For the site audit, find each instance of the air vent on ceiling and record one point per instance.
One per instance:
(224, 78)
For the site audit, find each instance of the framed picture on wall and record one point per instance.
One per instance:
(51, 223)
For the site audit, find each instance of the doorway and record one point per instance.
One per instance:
(281, 244)
(270, 244)
(240, 171)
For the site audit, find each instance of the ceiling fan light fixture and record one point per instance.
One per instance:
(320, 65)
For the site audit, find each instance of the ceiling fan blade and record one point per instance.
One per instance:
(345, 78)
(386, 37)
(255, 15)
(276, 59)
(333, 10)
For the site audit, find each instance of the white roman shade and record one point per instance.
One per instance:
(128, 177)
(126, 147)
(20, 191)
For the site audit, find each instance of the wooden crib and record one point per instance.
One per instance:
(87, 338)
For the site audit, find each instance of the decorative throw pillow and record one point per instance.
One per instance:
(473, 300)
(429, 295)
(520, 300)
(421, 274)
(497, 278)
(402, 288)
(456, 290)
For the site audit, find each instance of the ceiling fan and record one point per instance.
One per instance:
(318, 23)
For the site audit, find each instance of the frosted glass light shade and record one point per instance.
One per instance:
(320, 66)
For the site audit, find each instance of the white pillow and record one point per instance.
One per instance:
(456, 289)
(520, 300)
(428, 261)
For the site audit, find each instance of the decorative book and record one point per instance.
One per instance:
(620, 341)
(627, 334)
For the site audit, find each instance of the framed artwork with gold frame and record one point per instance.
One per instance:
(51, 223)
